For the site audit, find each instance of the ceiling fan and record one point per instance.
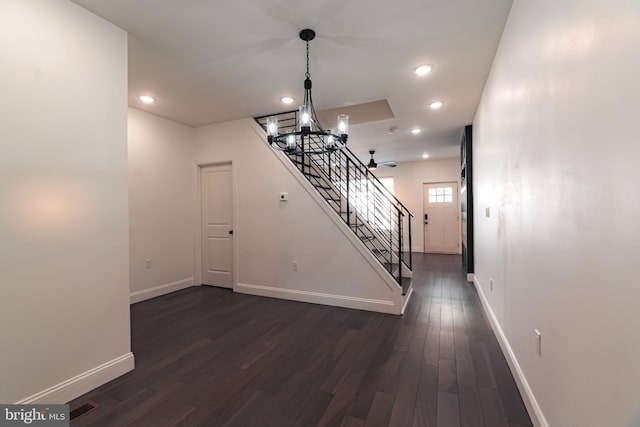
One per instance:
(373, 165)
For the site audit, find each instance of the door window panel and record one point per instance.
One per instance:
(441, 195)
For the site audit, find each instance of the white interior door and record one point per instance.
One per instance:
(441, 218)
(217, 226)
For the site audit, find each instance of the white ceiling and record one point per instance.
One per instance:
(212, 61)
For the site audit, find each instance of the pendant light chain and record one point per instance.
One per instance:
(307, 75)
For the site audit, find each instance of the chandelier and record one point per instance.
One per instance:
(308, 136)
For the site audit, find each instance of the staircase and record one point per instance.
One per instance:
(373, 214)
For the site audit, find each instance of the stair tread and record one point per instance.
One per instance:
(324, 187)
(380, 251)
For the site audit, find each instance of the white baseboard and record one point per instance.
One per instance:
(83, 383)
(530, 401)
(382, 306)
(157, 291)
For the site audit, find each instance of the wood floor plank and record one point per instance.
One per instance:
(314, 405)
(138, 405)
(508, 390)
(421, 328)
(447, 380)
(295, 384)
(447, 347)
(492, 408)
(448, 410)
(391, 371)
(470, 407)
(446, 315)
(426, 407)
(335, 411)
(369, 387)
(350, 421)
(431, 352)
(410, 370)
(404, 405)
(343, 365)
(166, 414)
(482, 364)
(380, 411)
(468, 394)
(361, 364)
(246, 415)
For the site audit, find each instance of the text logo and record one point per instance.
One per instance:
(34, 415)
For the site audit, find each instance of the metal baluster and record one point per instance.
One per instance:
(367, 201)
(348, 202)
(400, 248)
(410, 246)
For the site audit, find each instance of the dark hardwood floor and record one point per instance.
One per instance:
(209, 357)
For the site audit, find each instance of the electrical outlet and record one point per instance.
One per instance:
(147, 263)
(295, 265)
(491, 284)
(487, 212)
(538, 341)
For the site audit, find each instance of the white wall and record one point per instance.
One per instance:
(64, 305)
(269, 234)
(160, 203)
(408, 178)
(555, 155)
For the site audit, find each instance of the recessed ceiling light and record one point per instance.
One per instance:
(422, 70)
(287, 100)
(425, 156)
(416, 131)
(436, 105)
(147, 99)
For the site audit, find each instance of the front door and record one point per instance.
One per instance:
(441, 218)
(217, 226)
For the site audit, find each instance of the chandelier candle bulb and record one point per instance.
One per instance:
(331, 143)
(305, 118)
(291, 142)
(272, 126)
(343, 124)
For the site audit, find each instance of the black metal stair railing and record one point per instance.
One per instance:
(372, 212)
